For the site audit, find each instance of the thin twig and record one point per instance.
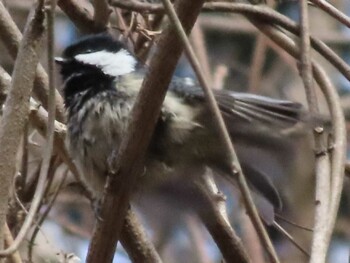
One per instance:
(237, 173)
(45, 214)
(127, 164)
(291, 239)
(198, 42)
(337, 116)
(217, 224)
(245, 9)
(15, 257)
(16, 112)
(293, 223)
(257, 64)
(332, 11)
(11, 38)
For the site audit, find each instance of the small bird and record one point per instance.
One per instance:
(101, 82)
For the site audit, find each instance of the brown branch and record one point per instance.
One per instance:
(135, 241)
(198, 42)
(258, 11)
(15, 257)
(130, 236)
(332, 11)
(219, 228)
(16, 110)
(80, 15)
(47, 153)
(322, 197)
(257, 63)
(128, 163)
(11, 37)
(236, 170)
(101, 13)
(337, 116)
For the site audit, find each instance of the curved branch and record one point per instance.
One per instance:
(332, 11)
(339, 133)
(262, 12)
(80, 15)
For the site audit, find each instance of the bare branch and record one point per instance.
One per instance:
(80, 15)
(257, 63)
(337, 116)
(101, 14)
(245, 9)
(219, 228)
(332, 11)
(11, 37)
(237, 173)
(15, 257)
(135, 241)
(16, 110)
(128, 163)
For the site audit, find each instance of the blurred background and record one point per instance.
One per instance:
(234, 56)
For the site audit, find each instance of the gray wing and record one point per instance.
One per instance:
(264, 131)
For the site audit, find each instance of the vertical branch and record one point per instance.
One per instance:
(101, 14)
(257, 63)
(198, 42)
(16, 109)
(339, 133)
(128, 163)
(225, 137)
(322, 166)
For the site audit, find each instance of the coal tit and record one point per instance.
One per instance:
(101, 81)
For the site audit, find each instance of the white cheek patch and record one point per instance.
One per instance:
(113, 64)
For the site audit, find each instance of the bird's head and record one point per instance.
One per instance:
(97, 54)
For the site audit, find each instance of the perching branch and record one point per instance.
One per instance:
(127, 165)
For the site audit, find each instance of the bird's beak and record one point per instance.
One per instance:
(61, 61)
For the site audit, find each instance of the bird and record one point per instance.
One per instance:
(101, 80)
